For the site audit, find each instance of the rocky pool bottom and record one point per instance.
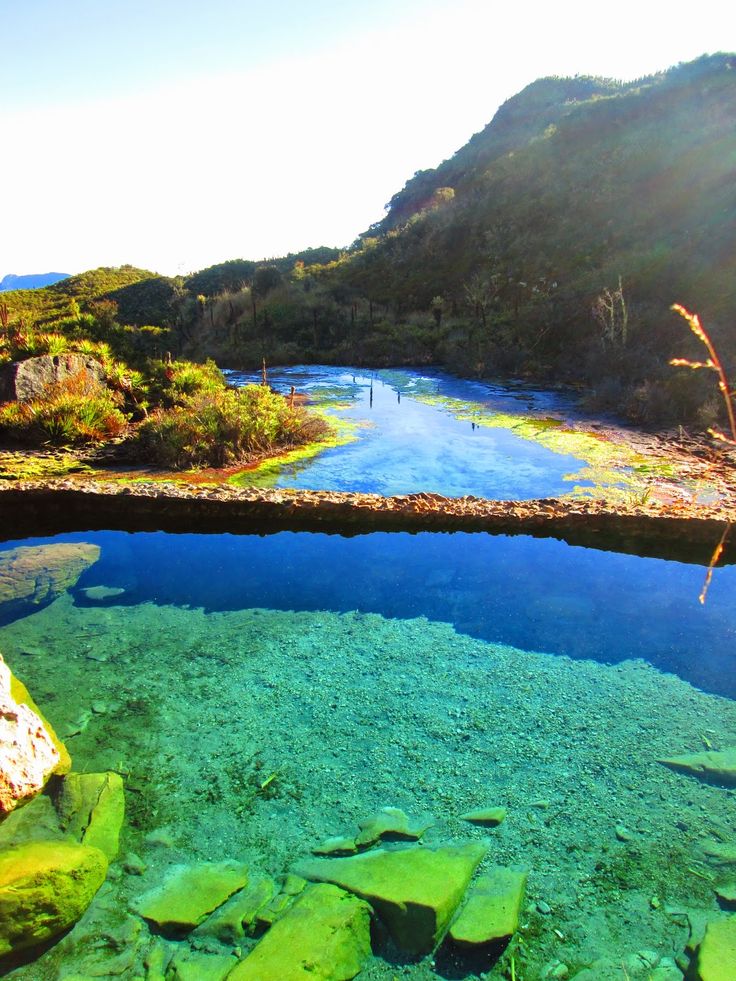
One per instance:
(254, 735)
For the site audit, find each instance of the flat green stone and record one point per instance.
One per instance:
(415, 890)
(488, 817)
(194, 966)
(238, 916)
(390, 824)
(726, 891)
(325, 936)
(716, 959)
(715, 767)
(336, 846)
(492, 910)
(190, 893)
(45, 887)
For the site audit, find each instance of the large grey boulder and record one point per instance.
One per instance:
(24, 381)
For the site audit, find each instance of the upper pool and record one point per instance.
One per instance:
(404, 431)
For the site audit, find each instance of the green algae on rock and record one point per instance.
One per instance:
(492, 911)
(28, 755)
(716, 955)
(489, 817)
(239, 915)
(92, 808)
(188, 965)
(338, 846)
(44, 889)
(390, 824)
(189, 893)
(415, 890)
(23, 697)
(716, 767)
(325, 936)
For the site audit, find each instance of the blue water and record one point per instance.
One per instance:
(405, 446)
(534, 594)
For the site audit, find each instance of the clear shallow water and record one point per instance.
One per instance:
(436, 673)
(535, 594)
(405, 446)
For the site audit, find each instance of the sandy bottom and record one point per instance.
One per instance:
(352, 712)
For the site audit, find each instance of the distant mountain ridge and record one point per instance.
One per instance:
(33, 281)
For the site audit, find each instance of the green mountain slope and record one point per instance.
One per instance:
(576, 185)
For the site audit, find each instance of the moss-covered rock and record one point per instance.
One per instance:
(414, 890)
(239, 915)
(189, 965)
(91, 807)
(716, 957)
(325, 936)
(390, 824)
(338, 846)
(189, 894)
(713, 767)
(44, 889)
(491, 913)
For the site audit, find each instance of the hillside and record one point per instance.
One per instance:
(552, 244)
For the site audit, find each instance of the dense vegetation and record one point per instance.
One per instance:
(551, 245)
(174, 413)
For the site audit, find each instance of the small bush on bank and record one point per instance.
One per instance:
(221, 427)
(75, 410)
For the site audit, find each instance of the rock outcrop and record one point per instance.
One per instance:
(24, 381)
(44, 889)
(30, 751)
(34, 575)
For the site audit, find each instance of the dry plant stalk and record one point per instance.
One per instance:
(715, 364)
(717, 552)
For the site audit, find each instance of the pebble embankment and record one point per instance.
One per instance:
(686, 533)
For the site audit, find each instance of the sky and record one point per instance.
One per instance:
(173, 135)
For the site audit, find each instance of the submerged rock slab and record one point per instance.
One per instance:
(339, 846)
(390, 824)
(190, 893)
(91, 807)
(713, 767)
(488, 817)
(414, 890)
(491, 913)
(28, 755)
(44, 889)
(33, 575)
(238, 916)
(191, 965)
(716, 958)
(325, 936)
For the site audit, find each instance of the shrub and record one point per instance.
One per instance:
(220, 427)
